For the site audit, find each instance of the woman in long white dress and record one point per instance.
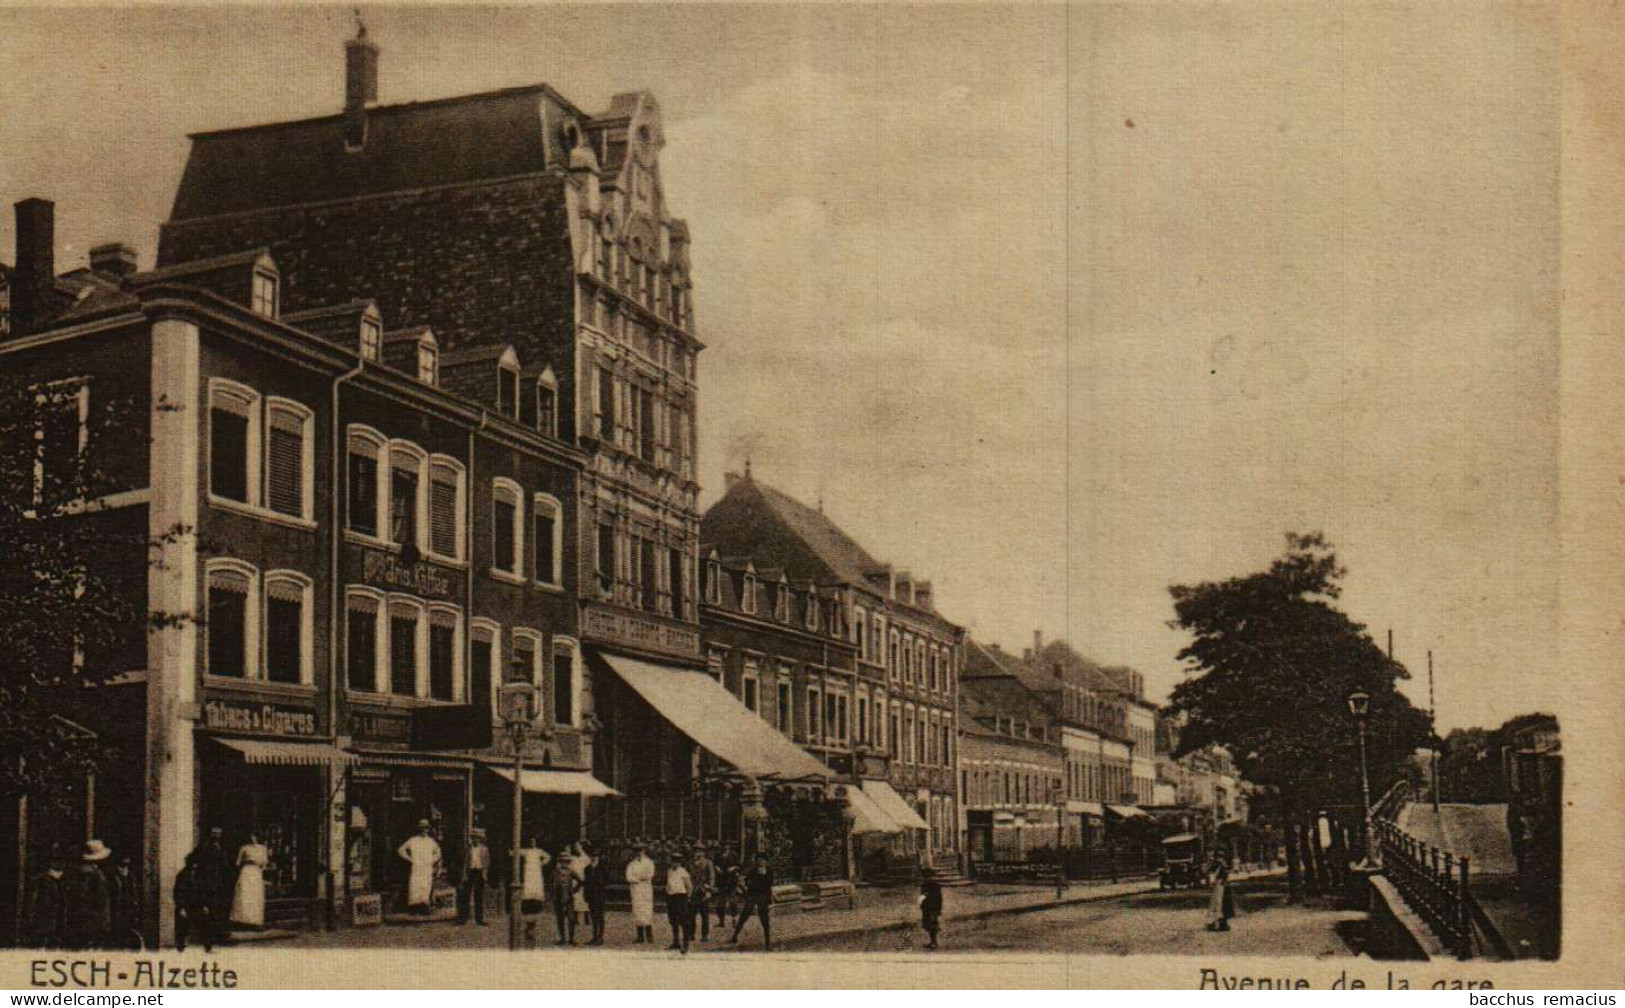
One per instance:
(640, 879)
(578, 867)
(532, 885)
(248, 901)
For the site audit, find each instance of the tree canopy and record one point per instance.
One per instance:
(1272, 662)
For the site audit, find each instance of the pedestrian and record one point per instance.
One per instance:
(127, 916)
(476, 872)
(727, 871)
(210, 888)
(1221, 905)
(640, 878)
(679, 886)
(563, 892)
(248, 898)
(87, 905)
(595, 888)
(422, 855)
(47, 907)
(533, 862)
(931, 909)
(758, 898)
(704, 874)
(578, 865)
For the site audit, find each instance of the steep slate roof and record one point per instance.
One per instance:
(477, 137)
(755, 519)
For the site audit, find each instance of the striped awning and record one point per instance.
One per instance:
(279, 753)
(867, 815)
(576, 782)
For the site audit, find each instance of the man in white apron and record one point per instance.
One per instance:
(423, 854)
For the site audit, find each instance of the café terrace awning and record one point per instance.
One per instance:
(867, 815)
(276, 753)
(1127, 811)
(893, 805)
(1085, 807)
(576, 782)
(701, 709)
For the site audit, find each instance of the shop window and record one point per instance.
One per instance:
(233, 441)
(361, 643)
(507, 531)
(442, 655)
(403, 650)
(547, 541)
(290, 458)
(230, 627)
(446, 508)
(366, 446)
(566, 685)
(287, 628)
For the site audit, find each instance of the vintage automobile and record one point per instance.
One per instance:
(1182, 862)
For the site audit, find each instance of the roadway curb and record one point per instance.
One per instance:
(976, 915)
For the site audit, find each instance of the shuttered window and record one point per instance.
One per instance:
(285, 464)
(228, 625)
(443, 513)
(228, 452)
(442, 662)
(284, 631)
(403, 653)
(363, 489)
(361, 656)
(480, 657)
(503, 516)
(564, 686)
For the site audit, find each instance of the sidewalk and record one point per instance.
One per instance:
(874, 909)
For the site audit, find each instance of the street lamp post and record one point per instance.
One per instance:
(1360, 709)
(516, 710)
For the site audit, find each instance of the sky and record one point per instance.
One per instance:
(1054, 307)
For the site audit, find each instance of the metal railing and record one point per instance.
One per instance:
(1435, 882)
(1395, 798)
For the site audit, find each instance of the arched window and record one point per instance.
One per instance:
(548, 540)
(485, 665)
(547, 403)
(365, 491)
(365, 634)
(526, 666)
(232, 627)
(507, 530)
(406, 632)
(445, 678)
(446, 515)
(234, 442)
(408, 497)
(566, 682)
(290, 458)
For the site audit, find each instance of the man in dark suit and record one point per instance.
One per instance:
(595, 890)
(758, 893)
(476, 872)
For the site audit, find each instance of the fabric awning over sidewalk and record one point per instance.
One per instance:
(1085, 807)
(1127, 811)
(867, 815)
(893, 804)
(576, 782)
(277, 753)
(701, 709)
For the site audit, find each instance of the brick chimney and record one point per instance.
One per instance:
(360, 86)
(33, 281)
(115, 259)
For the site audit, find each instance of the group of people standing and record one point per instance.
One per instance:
(92, 903)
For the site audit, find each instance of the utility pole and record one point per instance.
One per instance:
(1434, 742)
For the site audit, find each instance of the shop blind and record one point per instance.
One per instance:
(228, 614)
(443, 517)
(285, 482)
(283, 625)
(403, 655)
(440, 662)
(362, 655)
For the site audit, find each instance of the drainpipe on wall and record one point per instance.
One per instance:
(468, 605)
(336, 820)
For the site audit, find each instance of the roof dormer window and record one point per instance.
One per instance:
(265, 297)
(428, 363)
(508, 391)
(372, 337)
(547, 403)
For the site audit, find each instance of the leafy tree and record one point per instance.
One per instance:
(1273, 662)
(1470, 767)
(67, 567)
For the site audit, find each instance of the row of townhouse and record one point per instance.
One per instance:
(417, 385)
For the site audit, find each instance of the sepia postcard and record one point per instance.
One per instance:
(812, 495)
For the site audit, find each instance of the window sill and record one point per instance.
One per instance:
(551, 587)
(259, 685)
(395, 699)
(446, 561)
(364, 539)
(507, 577)
(263, 514)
